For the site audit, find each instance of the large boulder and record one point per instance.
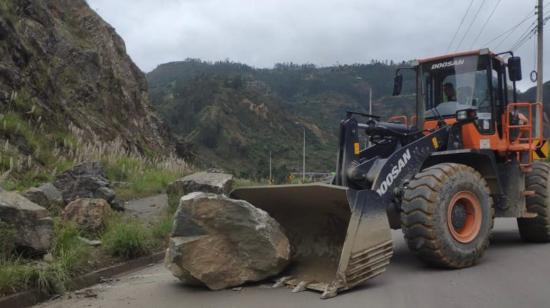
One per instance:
(46, 195)
(31, 223)
(221, 242)
(209, 182)
(217, 183)
(85, 180)
(88, 214)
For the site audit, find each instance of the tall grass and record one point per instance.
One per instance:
(69, 256)
(126, 237)
(144, 172)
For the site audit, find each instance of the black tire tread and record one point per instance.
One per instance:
(419, 202)
(537, 229)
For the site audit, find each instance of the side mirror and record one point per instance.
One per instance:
(514, 68)
(397, 85)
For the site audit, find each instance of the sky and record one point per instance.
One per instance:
(261, 33)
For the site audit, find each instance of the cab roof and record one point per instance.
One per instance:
(477, 52)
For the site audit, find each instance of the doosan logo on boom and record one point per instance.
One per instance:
(395, 171)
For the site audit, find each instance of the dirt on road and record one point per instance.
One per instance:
(512, 274)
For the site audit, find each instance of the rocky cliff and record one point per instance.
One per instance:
(62, 66)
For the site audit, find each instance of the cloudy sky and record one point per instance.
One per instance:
(263, 32)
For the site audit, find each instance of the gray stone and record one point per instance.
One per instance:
(85, 180)
(218, 183)
(88, 214)
(221, 242)
(45, 195)
(32, 223)
(93, 243)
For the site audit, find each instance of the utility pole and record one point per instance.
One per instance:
(270, 178)
(304, 158)
(370, 101)
(540, 28)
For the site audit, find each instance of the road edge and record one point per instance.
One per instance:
(35, 296)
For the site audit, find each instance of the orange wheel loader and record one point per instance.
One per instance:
(467, 158)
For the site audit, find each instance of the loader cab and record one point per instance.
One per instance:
(468, 81)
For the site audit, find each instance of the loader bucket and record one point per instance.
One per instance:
(340, 237)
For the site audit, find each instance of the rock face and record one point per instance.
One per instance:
(62, 66)
(32, 223)
(88, 214)
(86, 180)
(45, 195)
(220, 242)
(217, 183)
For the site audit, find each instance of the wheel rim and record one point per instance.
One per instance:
(464, 216)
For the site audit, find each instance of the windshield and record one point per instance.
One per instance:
(455, 84)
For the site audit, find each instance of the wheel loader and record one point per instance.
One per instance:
(468, 155)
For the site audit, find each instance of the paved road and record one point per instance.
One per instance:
(147, 209)
(512, 274)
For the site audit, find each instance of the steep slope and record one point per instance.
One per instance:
(62, 66)
(235, 114)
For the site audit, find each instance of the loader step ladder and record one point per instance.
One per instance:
(523, 131)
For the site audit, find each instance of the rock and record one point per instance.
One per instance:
(221, 243)
(85, 180)
(52, 42)
(118, 205)
(32, 223)
(88, 214)
(93, 243)
(217, 183)
(45, 195)
(48, 257)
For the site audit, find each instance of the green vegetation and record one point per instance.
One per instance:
(68, 256)
(126, 238)
(139, 178)
(235, 115)
(162, 228)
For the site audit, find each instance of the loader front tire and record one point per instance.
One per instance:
(537, 229)
(447, 215)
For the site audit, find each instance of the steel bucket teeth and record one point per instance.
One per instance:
(281, 281)
(302, 286)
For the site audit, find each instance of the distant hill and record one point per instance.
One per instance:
(234, 115)
(531, 95)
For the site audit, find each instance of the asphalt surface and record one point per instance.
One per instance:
(511, 274)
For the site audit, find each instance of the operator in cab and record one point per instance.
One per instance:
(450, 93)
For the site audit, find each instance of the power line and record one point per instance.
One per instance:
(529, 16)
(460, 25)
(526, 34)
(471, 24)
(509, 34)
(485, 24)
(525, 38)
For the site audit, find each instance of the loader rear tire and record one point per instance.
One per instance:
(537, 229)
(447, 215)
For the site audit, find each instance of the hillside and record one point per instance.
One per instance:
(531, 95)
(234, 115)
(65, 77)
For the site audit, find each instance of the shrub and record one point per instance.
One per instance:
(126, 238)
(14, 275)
(162, 228)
